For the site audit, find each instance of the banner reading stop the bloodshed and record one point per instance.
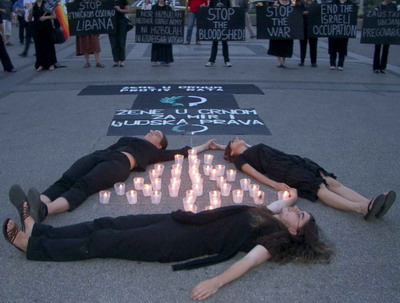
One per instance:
(161, 27)
(332, 20)
(381, 27)
(87, 17)
(222, 24)
(279, 22)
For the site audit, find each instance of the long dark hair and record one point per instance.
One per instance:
(227, 152)
(307, 246)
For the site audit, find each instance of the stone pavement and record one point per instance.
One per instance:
(346, 121)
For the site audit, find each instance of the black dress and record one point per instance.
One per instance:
(281, 48)
(42, 35)
(178, 236)
(297, 172)
(161, 52)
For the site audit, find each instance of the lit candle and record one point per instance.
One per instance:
(192, 159)
(138, 183)
(146, 188)
(259, 197)
(220, 180)
(213, 174)
(215, 198)
(156, 184)
(285, 195)
(104, 196)
(178, 159)
(188, 201)
(231, 174)
(209, 207)
(191, 193)
(244, 184)
(175, 181)
(159, 168)
(178, 167)
(220, 169)
(198, 188)
(119, 188)
(153, 174)
(192, 152)
(237, 196)
(226, 189)
(131, 195)
(207, 168)
(175, 172)
(156, 196)
(193, 170)
(191, 207)
(214, 194)
(196, 163)
(253, 189)
(197, 179)
(215, 202)
(208, 158)
(173, 190)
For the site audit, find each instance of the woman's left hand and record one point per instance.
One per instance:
(205, 289)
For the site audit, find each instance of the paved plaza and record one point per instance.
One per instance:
(346, 121)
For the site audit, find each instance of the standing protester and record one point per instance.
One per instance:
(88, 45)
(380, 61)
(4, 57)
(6, 10)
(29, 27)
(146, 6)
(337, 47)
(118, 40)
(19, 10)
(192, 7)
(281, 48)
(249, 26)
(305, 4)
(161, 53)
(214, 47)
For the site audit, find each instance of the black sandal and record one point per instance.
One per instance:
(10, 235)
(375, 206)
(389, 199)
(37, 208)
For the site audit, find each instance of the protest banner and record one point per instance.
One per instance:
(161, 27)
(332, 20)
(87, 17)
(222, 24)
(381, 27)
(279, 22)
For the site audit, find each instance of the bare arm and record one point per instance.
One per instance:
(204, 146)
(252, 172)
(207, 288)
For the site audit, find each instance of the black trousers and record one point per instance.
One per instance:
(90, 174)
(28, 38)
(333, 56)
(313, 49)
(107, 237)
(22, 24)
(118, 41)
(214, 50)
(380, 62)
(4, 57)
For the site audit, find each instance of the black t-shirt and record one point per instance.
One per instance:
(121, 4)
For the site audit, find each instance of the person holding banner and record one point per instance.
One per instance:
(161, 53)
(305, 4)
(214, 47)
(283, 171)
(282, 48)
(98, 171)
(380, 61)
(118, 40)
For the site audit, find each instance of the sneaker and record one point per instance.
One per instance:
(332, 67)
(340, 68)
(314, 65)
(209, 64)
(383, 71)
(228, 64)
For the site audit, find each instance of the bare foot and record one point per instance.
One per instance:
(21, 239)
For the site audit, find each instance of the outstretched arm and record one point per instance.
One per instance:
(204, 146)
(252, 172)
(207, 288)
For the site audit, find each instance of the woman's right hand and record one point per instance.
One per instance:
(281, 186)
(205, 289)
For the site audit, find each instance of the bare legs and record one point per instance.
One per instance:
(57, 206)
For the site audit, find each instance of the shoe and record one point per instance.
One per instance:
(375, 206)
(122, 65)
(228, 64)
(340, 68)
(99, 65)
(314, 65)
(87, 65)
(281, 66)
(186, 43)
(389, 199)
(382, 71)
(376, 71)
(10, 235)
(115, 65)
(17, 197)
(332, 67)
(301, 64)
(163, 63)
(38, 209)
(209, 64)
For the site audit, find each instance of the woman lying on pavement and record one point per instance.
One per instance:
(283, 171)
(278, 233)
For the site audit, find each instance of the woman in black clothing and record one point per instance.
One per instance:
(43, 37)
(284, 171)
(4, 57)
(337, 47)
(280, 233)
(118, 40)
(161, 53)
(305, 4)
(380, 61)
(98, 171)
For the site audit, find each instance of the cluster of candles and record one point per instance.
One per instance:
(215, 173)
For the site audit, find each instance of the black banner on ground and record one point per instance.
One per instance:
(91, 17)
(185, 101)
(381, 27)
(108, 90)
(332, 20)
(279, 22)
(161, 27)
(188, 121)
(226, 24)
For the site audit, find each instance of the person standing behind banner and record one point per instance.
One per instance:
(214, 48)
(337, 47)
(43, 37)
(29, 27)
(19, 10)
(380, 62)
(4, 57)
(87, 45)
(305, 4)
(118, 40)
(249, 26)
(192, 7)
(161, 54)
(146, 6)
(281, 48)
